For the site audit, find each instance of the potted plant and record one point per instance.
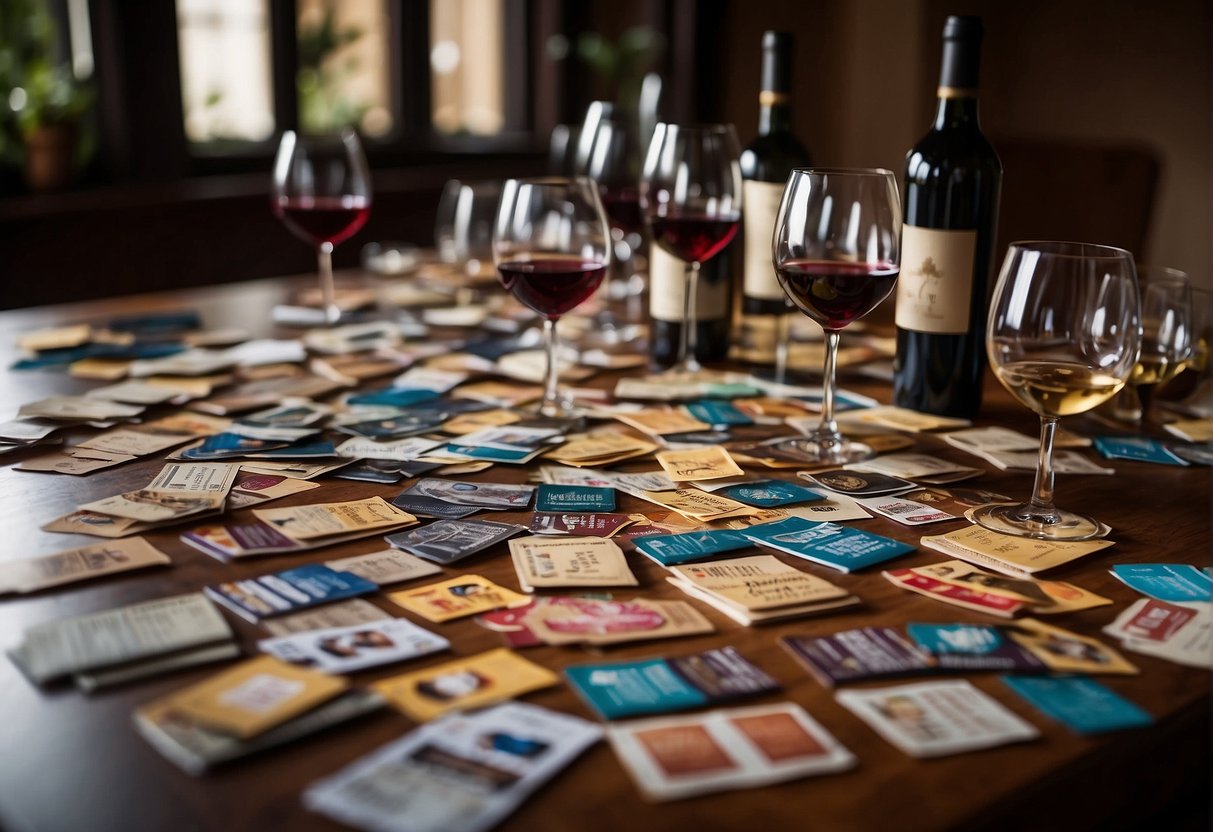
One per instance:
(44, 106)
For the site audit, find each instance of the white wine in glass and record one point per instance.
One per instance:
(1064, 335)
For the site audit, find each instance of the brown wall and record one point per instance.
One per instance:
(1090, 73)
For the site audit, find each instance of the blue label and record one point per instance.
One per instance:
(630, 688)
(671, 549)
(770, 493)
(574, 498)
(827, 543)
(1079, 703)
(1140, 449)
(1174, 582)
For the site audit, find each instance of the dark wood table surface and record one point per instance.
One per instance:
(73, 762)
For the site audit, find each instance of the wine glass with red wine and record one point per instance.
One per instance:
(690, 194)
(322, 193)
(837, 253)
(551, 245)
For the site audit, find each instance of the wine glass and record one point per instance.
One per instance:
(551, 245)
(1166, 338)
(690, 194)
(837, 253)
(472, 233)
(322, 193)
(610, 155)
(444, 221)
(1063, 337)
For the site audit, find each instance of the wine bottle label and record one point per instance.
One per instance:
(761, 201)
(936, 280)
(667, 287)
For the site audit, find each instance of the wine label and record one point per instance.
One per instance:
(761, 200)
(667, 290)
(936, 280)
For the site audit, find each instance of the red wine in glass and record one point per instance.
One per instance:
(319, 220)
(551, 287)
(835, 293)
(623, 208)
(694, 237)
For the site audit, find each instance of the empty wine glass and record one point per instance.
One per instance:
(551, 245)
(322, 193)
(610, 154)
(444, 221)
(1064, 334)
(837, 254)
(472, 233)
(1166, 339)
(690, 194)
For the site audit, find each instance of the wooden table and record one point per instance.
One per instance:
(73, 762)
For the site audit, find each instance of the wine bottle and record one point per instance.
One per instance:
(952, 183)
(712, 301)
(765, 165)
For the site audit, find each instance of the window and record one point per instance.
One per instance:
(226, 85)
(467, 66)
(344, 57)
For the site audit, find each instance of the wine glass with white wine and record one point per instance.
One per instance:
(1063, 337)
(1166, 339)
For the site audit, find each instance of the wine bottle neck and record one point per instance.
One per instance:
(774, 113)
(957, 108)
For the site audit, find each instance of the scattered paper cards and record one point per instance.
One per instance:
(857, 655)
(1177, 633)
(562, 620)
(759, 589)
(594, 524)
(80, 564)
(389, 566)
(318, 525)
(1018, 557)
(935, 719)
(1177, 583)
(550, 562)
(917, 467)
(347, 649)
(697, 505)
(671, 549)
(465, 771)
(961, 584)
(253, 697)
(657, 686)
(457, 598)
(288, 591)
(450, 541)
(694, 465)
(675, 758)
(828, 544)
(178, 491)
(1082, 705)
(601, 448)
(464, 684)
(974, 647)
(195, 748)
(351, 613)
(137, 633)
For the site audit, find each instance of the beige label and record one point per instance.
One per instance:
(936, 279)
(761, 200)
(666, 290)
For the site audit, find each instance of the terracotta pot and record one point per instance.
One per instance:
(49, 154)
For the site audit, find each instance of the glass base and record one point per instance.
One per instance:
(829, 450)
(1022, 520)
(560, 407)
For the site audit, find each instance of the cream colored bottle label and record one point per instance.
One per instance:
(667, 290)
(936, 280)
(761, 200)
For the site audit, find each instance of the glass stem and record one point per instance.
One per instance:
(689, 347)
(1145, 394)
(328, 299)
(1041, 504)
(783, 334)
(828, 429)
(551, 342)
